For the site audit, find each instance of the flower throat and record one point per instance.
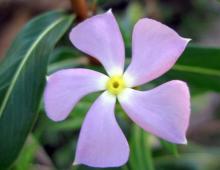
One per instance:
(115, 85)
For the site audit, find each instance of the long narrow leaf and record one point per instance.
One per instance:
(22, 77)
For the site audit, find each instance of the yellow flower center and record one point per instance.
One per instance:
(115, 84)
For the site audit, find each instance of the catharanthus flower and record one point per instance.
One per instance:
(163, 111)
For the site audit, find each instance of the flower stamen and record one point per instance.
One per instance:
(115, 84)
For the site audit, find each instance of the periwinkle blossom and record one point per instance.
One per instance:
(164, 111)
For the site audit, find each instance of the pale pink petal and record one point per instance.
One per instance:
(100, 37)
(66, 87)
(163, 111)
(155, 49)
(101, 142)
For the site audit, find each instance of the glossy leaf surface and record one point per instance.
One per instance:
(22, 77)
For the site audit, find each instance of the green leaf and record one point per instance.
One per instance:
(27, 155)
(140, 155)
(199, 67)
(169, 147)
(199, 160)
(66, 57)
(22, 77)
(63, 53)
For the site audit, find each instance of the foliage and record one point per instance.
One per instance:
(22, 81)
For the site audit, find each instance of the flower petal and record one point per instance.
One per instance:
(100, 37)
(101, 142)
(66, 87)
(163, 111)
(155, 49)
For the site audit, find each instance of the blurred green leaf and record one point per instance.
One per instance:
(64, 156)
(140, 155)
(169, 147)
(205, 160)
(69, 124)
(66, 57)
(62, 53)
(27, 155)
(133, 13)
(22, 73)
(64, 64)
(199, 67)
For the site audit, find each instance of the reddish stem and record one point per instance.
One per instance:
(80, 8)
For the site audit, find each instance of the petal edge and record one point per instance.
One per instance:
(155, 49)
(163, 111)
(66, 87)
(100, 37)
(102, 142)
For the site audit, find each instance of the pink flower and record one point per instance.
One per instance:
(163, 111)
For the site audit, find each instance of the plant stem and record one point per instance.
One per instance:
(80, 8)
(148, 151)
(93, 6)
